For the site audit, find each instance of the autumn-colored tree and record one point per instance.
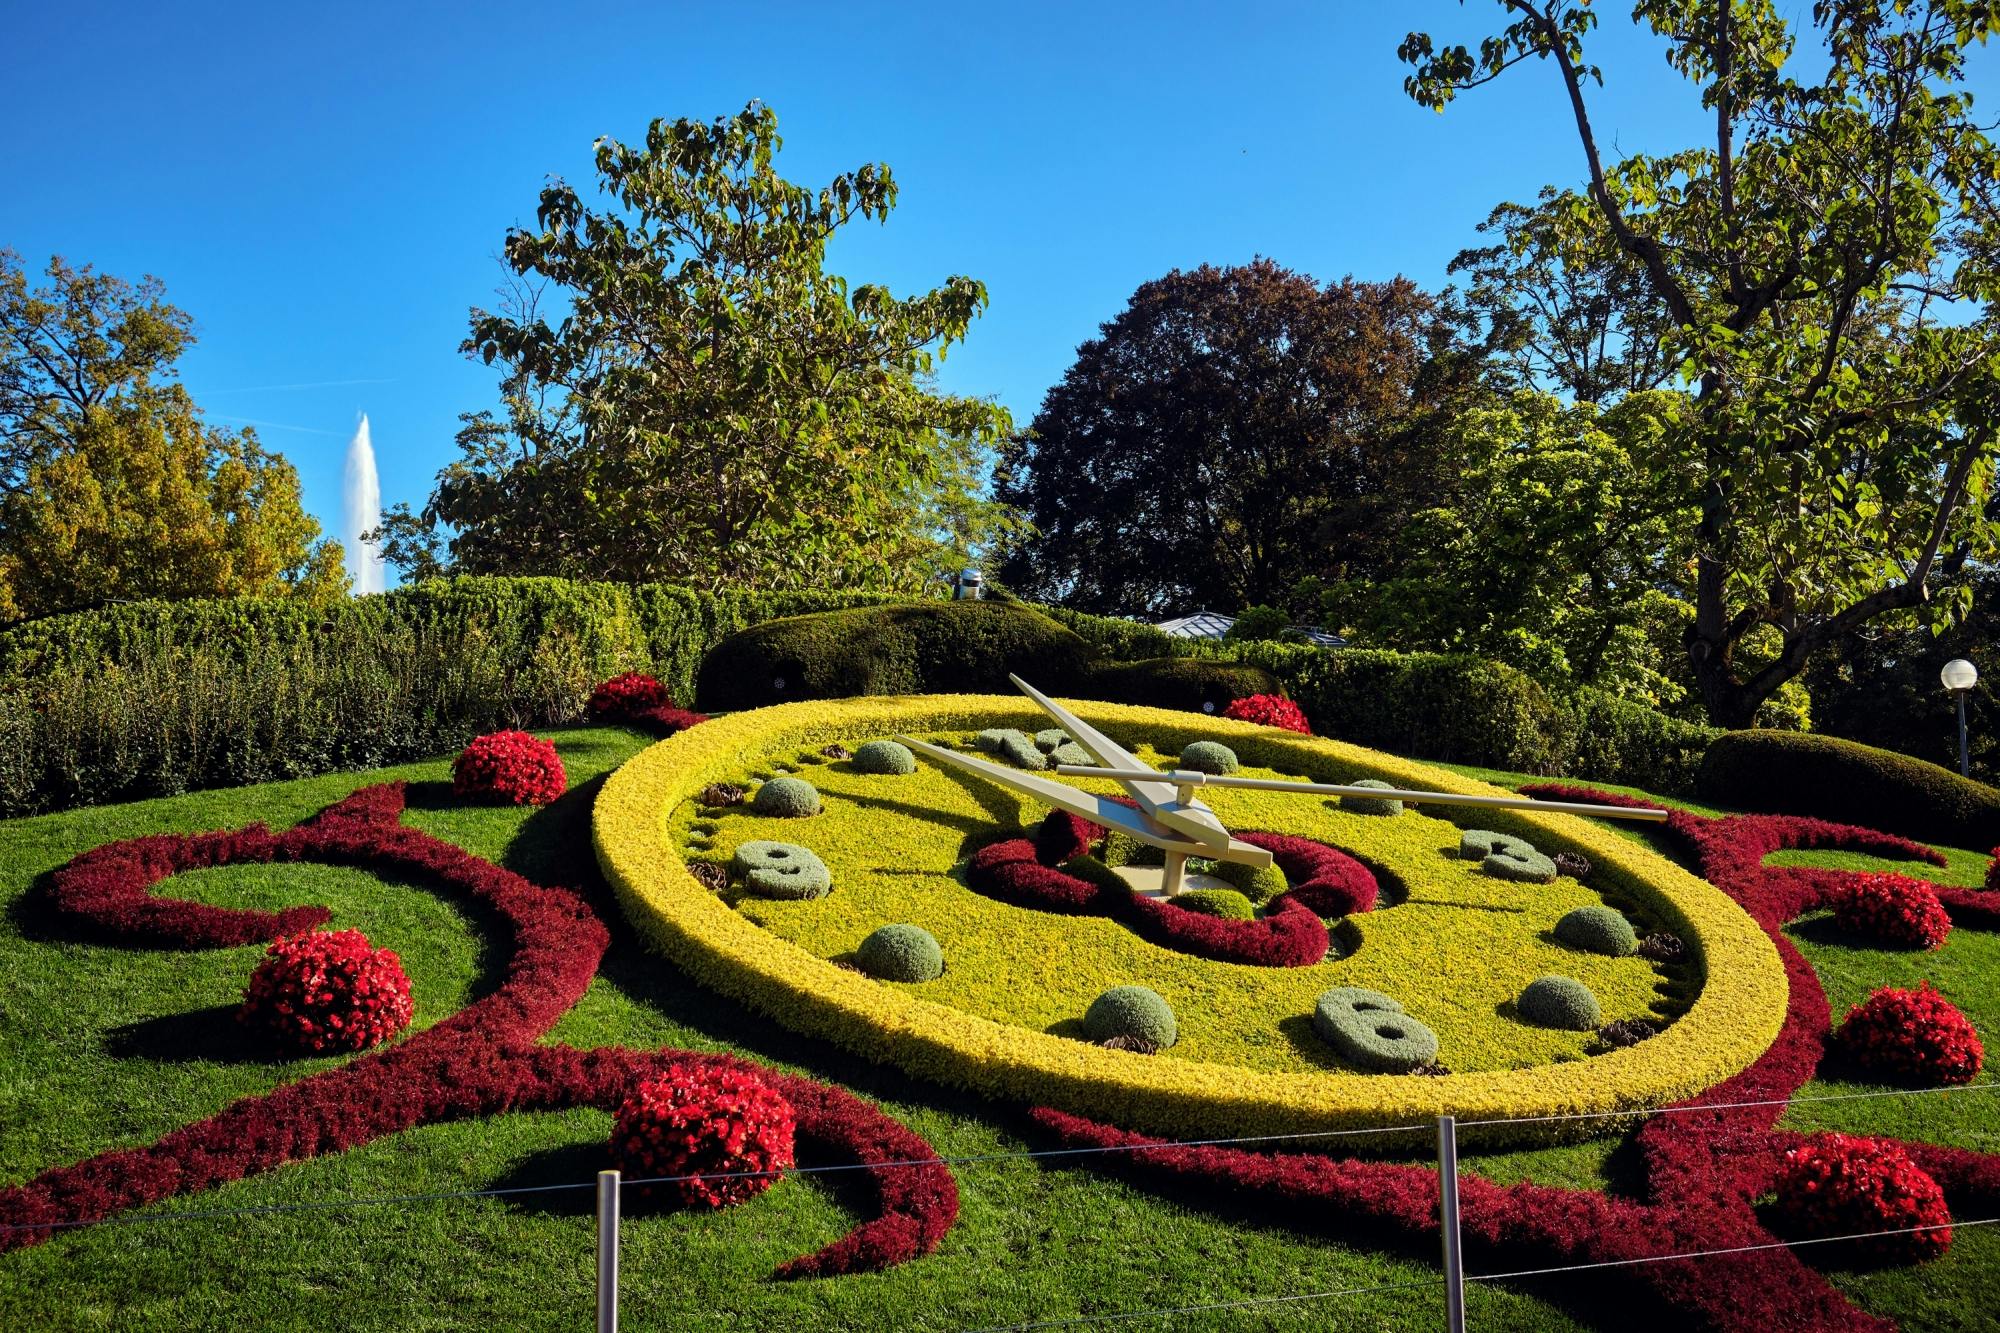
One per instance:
(1825, 272)
(111, 485)
(146, 500)
(1231, 432)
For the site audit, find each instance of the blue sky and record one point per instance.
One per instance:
(326, 187)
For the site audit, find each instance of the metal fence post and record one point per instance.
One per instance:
(1454, 1262)
(607, 1252)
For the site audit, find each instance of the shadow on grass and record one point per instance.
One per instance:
(212, 1035)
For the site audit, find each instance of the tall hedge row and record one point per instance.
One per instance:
(154, 698)
(1797, 773)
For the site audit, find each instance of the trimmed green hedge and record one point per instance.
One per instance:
(915, 648)
(154, 698)
(1192, 684)
(1799, 773)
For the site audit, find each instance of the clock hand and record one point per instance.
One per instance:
(1190, 818)
(1098, 809)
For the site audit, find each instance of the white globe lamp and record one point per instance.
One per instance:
(1959, 676)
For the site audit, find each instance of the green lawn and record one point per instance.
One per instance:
(103, 1047)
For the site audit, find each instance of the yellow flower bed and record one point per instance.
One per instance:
(1016, 979)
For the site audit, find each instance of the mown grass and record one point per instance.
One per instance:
(102, 1047)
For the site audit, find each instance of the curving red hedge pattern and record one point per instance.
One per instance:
(1291, 933)
(1704, 1167)
(483, 1060)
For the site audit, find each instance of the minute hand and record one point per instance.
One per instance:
(1161, 800)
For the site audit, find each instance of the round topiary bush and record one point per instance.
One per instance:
(1892, 910)
(1844, 1185)
(327, 992)
(1371, 805)
(509, 766)
(901, 953)
(1259, 884)
(622, 697)
(1225, 903)
(1598, 929)
(1370, 1029)
(1560, 1002)
(781, 870)
(1911, 1036)
(1131, 1011)
(1209, 757)
(785, 798)
(1269, 710)
(891, 758)
(724, 1133)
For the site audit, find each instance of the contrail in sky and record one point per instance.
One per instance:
(361, 496)
(281, 388)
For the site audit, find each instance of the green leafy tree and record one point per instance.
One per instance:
(708, 404)
(145, 500)
(1232, 431)
(85, 340)
(1825, 269)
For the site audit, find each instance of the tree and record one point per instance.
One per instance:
(709, 405)
(1230, 432)
(144, 500)
(86, 340)
(1826, 270)
(1563, 553)
(1569, 313)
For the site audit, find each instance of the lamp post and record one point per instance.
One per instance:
(1959, 676)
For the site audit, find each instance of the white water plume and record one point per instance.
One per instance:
(361, 510)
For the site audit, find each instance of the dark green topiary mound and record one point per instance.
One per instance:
(901, 953)
(1798, 773)
(1259, 884)
(1225, 903)
(1598, 930)
(1209, 757)
(888, 757)
(786, 798)
(1193, 684)
(1370, 1029)
(781, 870)
(1505, 856)
(937, 648)
(1131, 1011)
(1371, 805)
(1560, 1002)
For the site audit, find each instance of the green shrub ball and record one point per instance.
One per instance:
(1560, 1002)
(901, 953)
(1598, 930)
(1225, 903)
(1371, 805)
(786, 798)
(1259, 884)
(1371, 1030)
(888, 757)
(781, 870)
(1209, 757)
(1131, 1011)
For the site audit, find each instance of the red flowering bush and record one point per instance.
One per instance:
(713, 1125)
(1895, 910)
(1843, 1185)
(1911, 1036)
(509, 766)
(1269, 710)
(1993, 870)
(619, 698)
(326, 992)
